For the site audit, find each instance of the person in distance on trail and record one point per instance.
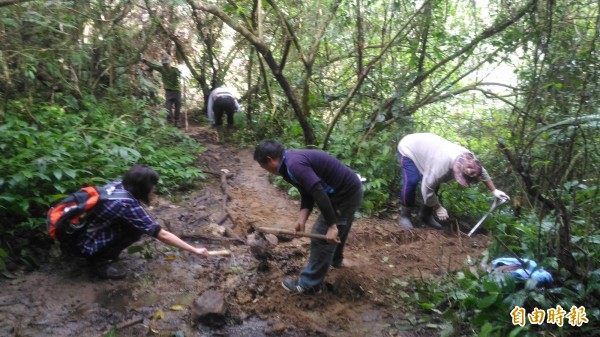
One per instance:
(117, 224)
(170, 78)
(221, 101)
(334, 187)
(435, 160)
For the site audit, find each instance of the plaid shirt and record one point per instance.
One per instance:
(104, 224)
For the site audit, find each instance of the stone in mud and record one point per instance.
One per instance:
(260, 248)
(272, 239)
(209, 308)
(214, 229)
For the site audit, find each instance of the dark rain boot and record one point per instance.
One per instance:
(404, 219)
(426, 216)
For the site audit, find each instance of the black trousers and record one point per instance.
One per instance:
(125, 237)
(224, 105)
(173, 104)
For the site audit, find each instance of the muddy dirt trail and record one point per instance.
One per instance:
(157, 298)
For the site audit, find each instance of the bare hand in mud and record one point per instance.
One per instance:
(300, 227)
(202, 252)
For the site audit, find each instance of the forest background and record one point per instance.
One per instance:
(515, 82)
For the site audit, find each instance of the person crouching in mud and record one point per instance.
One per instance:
(118, 223)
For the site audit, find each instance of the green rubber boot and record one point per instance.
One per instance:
(426, 216)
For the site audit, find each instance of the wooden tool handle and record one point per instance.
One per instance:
(222, 252)
(291, 232)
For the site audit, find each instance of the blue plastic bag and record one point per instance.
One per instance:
(527, 270)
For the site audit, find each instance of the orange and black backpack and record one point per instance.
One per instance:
(67, 219)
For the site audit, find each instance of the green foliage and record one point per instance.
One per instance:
(3, 256)
(146, 250)
(373, 159)
(475, 300)
(54, 149)
(111, 333)
(285, 186)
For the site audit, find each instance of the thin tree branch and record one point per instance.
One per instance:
(362, 77)
(4, 3)
(491, 31)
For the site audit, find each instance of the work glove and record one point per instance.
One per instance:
(441, 213)
(500, 195)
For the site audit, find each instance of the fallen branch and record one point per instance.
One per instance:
(280, 231)
(226, 197)
(202, 198)
(123, 325)
(224, 187)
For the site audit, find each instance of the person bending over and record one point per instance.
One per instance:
(221, 102)
(338, 192)
(432, 160)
